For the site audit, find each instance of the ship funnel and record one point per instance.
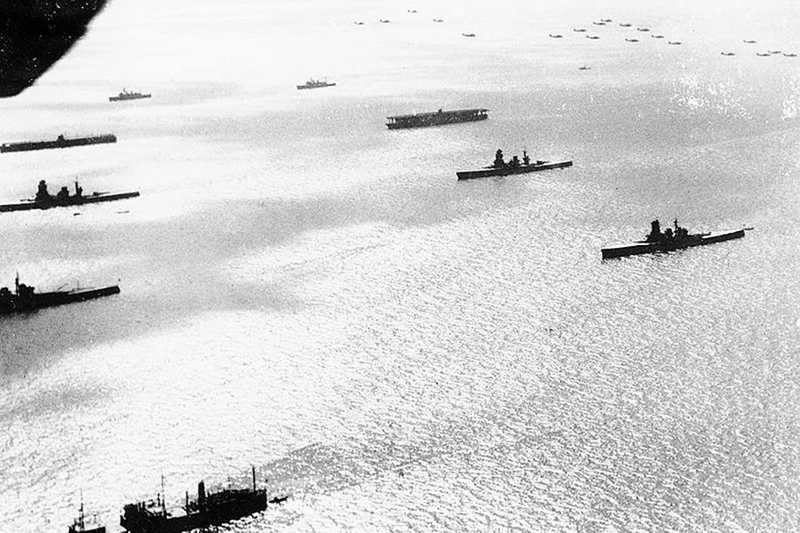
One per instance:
(201, 493)
(254, 478)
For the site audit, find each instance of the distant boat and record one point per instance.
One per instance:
(668, 241)
(438, 20)
(81, 525)
(606, 20)
(468, 34)
(674, 42)
(728, 53)
(775, 52)
(412, 10)
(600, 23)
(584, 67)
(515, 166)
(625, 24)
(25, 299)
(791, 54)
(763, 54)
(748, 41)
(632, 40)
(642, 29)
(384, 21)
(60, 142)
(657, 36)
(436, 118)
(44, 200)
(278, 499)
(556, 35)
(126, 95)
(358, 23)
(593, 37)
(315, 84)
(579, 30)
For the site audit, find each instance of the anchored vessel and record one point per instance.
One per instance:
(44, 200)
(669, 240)
(502, 168)
(128, 95)
(436, 118)
(315, 84)
(212, 508)
(25, 298)
(80, 525)
(60, 142)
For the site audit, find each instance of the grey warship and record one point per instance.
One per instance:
(44, 200)
(669, 240)
(500, 167)
(25, 299)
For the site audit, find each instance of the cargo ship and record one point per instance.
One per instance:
(315, 84)
(436, 118)
(44, 200)
(209, 509)
(25, 299)
(669, 240)
(60, 142)
(500, 167)
(128, 95)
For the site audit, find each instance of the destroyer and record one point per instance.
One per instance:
(128, 95)
(213, 508)
(436, 118)
(500, 167)
(315, 84)
(44, 200)
(669, 240)
(60, 142)
(25, 299)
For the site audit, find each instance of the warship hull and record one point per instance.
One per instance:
(315, 86)
(52, 299)
(436, 118)
(73, 201)
(508, 171)
(638, 248)
(58, 143)
(131, 97)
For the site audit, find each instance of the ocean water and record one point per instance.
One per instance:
(307, 292)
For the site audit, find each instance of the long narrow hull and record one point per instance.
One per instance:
(426, 122)
(197, 519)
(508, 171)
(29, 206)
(59, 143)
(52, 299)
(125, 98)
(301, 87)
(625, 250)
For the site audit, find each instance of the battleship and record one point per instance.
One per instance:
(669, 240)
(44, 200)
(60, 142)
(209, 509)
(436, 118)
(502, 168)
(25, 299)
(128, 95)
(315, 84)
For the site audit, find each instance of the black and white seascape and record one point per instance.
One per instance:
(307, 292)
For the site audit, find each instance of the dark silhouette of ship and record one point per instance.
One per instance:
(80, 525)
(44, 200)
(25, 299)
(210, 508)
(60, 142)
(500, 167)
(128, 95)
(315, 84)
(669, 240)
(436, 118)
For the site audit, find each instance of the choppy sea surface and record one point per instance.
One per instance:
(308, 292)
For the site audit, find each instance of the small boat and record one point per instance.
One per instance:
(728, 54)
(790, 54)
(468, 34)
(555, 35)
(81, 525)
(412, 10)
(593, 37)
(384, 21)
(749, 41)
(599, 23)
(642, 29)
(674, 43)
(584, 67)
(579, 30)
(126, 95)
(44, 200)
(438, 20)
(668, 241)
(625, 24)
(606, 20)
(632, 40)
(775, 52)
(278, 499)
(659, 36)
(25, 299)
(514, 166)
(315, 84)
(763, 54)
(358, 23)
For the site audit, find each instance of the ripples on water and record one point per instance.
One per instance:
(308, 292)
